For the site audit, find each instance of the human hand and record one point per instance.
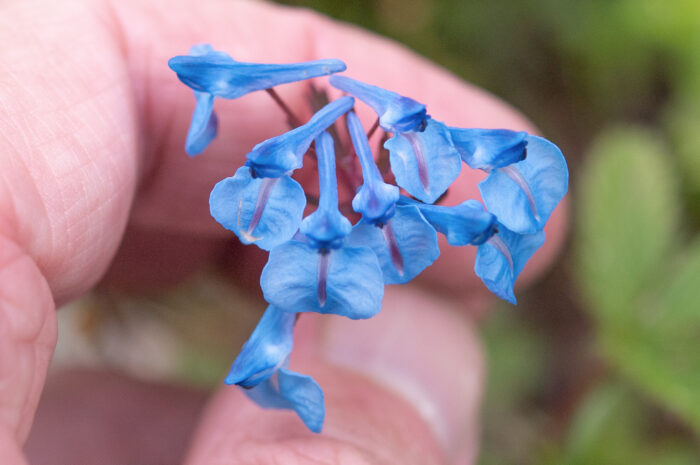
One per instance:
(93, 126)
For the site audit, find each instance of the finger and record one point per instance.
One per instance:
(403, 387)
(27, 338)
(117, 420)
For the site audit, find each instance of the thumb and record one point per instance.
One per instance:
(402, 387)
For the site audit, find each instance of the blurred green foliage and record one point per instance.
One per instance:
(600, 364)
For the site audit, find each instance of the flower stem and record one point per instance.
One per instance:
(291, 117)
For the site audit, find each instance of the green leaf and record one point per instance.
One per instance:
(628, 220)
(659, 348)
(605, 430)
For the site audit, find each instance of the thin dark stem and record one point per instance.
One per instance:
(373, 129)
(291, 117)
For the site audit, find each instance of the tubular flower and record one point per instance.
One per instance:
(322, 273)
(210, 73)
(262, 370)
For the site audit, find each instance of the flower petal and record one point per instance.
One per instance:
(283, 154)
(261, 211)
(500, 260)
(266, 350)
(523, 195)
(464, 224)
(405, 245)
(306, 397)
(203, 126)
(220, 75)
(396, 112)
(345, 281)
(292, 391)
(424, 163)
(487, 149)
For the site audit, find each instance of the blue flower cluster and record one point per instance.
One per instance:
(323, 263)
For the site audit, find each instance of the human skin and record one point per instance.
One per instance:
(92, 128)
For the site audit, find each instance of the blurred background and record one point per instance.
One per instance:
(600, 362)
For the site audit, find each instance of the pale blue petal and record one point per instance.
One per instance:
(218, 74)
(261, 211)
(464, 224)
(396, 112)
(500, 260)
(424, 163)
(354, 285)
(283, 154)
(204, 124)
(405, 246)
(266, 350)
(305, 397)
(487, 149)
(289, 390)
(523, 195)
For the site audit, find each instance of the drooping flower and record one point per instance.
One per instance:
(403, 241)
(211, 74)
(319, 271)
(261, 369)
(261, 203)
(396, 113)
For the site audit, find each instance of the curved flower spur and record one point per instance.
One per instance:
(325, 264)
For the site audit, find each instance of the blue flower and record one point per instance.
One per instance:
(261, 203)
(261, 369)
(424, 163)
(523, 195)
(211, 73)
(487, 149)
(218, 74)
(396, 113)
(283, 154)
(403, 241)
(261, 211)
(320, 272)
(502, 257)
(464, 224)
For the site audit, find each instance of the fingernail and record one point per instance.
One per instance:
(423, 349)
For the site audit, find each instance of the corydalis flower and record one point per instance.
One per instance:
(210, 73)
(524, 194)
(403, 241)
(320, 272)
(261, 203)
(262, 370)
(422, 157)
